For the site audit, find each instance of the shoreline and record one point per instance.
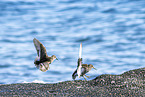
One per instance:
(130, 83)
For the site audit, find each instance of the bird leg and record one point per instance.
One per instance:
(87, 76)
(84, 78)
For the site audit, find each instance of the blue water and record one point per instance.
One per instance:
(112, 33)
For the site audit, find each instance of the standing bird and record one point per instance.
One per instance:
(82, 69)
(42, 61)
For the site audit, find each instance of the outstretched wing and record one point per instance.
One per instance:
(41, 51)
(79, 62)
(37, 46)
(74, 74)
(80, 51)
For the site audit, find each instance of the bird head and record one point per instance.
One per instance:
(54, 57)
(91, 66)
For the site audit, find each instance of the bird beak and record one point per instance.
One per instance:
(94, 68)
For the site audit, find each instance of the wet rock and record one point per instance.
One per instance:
(131, 83)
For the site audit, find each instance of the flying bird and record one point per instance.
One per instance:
(42, 60)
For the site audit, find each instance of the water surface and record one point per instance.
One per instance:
(112, 33)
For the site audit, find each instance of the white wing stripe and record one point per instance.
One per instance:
(80, 66)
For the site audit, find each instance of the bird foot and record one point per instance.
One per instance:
(87, 76)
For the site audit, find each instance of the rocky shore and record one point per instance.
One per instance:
(128, 84)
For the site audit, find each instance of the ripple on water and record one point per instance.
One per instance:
(112, 33)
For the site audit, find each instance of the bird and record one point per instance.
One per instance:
(82, 69)
(42, 60)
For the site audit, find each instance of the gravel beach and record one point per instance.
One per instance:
(130, 83)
